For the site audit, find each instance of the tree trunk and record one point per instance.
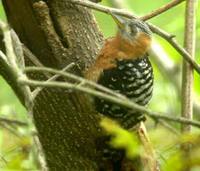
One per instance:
(59, 33)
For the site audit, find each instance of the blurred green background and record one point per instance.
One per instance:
(16, 145)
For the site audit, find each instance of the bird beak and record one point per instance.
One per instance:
(118, 20)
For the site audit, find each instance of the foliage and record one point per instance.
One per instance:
(122, 139)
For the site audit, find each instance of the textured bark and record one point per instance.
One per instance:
(59, 33)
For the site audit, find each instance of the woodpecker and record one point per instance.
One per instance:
(123, 66)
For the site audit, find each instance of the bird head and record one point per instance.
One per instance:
(129, 29)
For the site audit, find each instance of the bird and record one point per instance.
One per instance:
(123, 65)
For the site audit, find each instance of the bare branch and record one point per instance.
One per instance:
(104, 9)
(14, 67)
(3, 57)
(169, 127)
(173, 42)
(113, 96)
(53, 78)
(11, 58)
(187, 75)
(10, 129)
(31, 56)
(162, 9)
(74, 77)
(12, 122)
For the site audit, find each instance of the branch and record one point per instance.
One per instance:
(187, 75)
(31, 56)
(169, 127)
(172, 41)
(81, 80)
(104, 9)
(53, 78)
(112, 96)
(170, 38)
(15, 63)
(162, 9)
(12, 122)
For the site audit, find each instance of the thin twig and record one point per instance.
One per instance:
(172, 41)
(3, 57)
(31, 56)
(102, 8)
(168, 37)
(72, 76)
(12, 122)
(18, 50)
(40, 154)
(53, 78)
(162, 9)
(10, 129)
(122, 101)
(11, 58)
(171, 71)
(169, 127)
(3, 159)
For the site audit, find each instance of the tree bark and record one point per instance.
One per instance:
(59, 33)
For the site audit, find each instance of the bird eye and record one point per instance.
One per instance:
(133, 29)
